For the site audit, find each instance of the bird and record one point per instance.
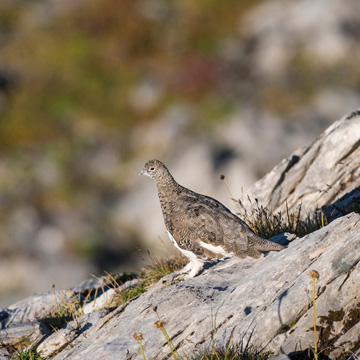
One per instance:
(201, 227)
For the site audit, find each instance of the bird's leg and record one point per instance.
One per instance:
(196, 266)
(186, 268)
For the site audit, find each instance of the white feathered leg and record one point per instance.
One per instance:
(196, 267)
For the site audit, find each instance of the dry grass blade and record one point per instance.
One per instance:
(267, 224)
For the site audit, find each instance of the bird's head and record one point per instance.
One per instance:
(153, 168)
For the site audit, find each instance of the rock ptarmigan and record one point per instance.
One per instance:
(200, 226)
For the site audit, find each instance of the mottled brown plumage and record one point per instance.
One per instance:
(200, 226)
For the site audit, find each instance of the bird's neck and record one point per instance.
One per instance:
(167, 185)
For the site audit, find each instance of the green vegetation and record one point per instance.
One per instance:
(30, 354)
(65, 309)
(23, 351)
(290, 325)
(87, 61)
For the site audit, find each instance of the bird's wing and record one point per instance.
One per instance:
(198, 218)
(190, 227)
(238, 237)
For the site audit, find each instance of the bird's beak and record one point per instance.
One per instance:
(142, 172)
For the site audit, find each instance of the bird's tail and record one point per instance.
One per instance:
(265, 245)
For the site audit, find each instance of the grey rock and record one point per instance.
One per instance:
(279, 32)
(68, 333)
(38, 306)
(284, 239)
(93, 283)
(4, 354)
(350, 200)
(100, 283)
(31, 331)
(105, 299)
(252, 301)
(100, 302)
(345, 343)
(316, 175)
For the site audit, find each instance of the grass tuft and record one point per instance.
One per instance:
(148, 277)
(66, 309)
(231, 354)
(267, 224)
(30, 354)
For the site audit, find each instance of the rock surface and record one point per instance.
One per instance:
(315, 175)
(251, 301)
(263, 304)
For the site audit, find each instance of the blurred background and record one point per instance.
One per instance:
(92, 89)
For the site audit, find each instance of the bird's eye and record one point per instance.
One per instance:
(152, 168)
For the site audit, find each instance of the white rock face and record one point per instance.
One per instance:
(315, 175)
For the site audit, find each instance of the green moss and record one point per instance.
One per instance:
(333, 316)
(327, 338)
(353, 318)
(326, 331)
(290, 325)
(287, 327)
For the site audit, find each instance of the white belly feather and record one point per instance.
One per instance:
(189, 254)
(215, 249)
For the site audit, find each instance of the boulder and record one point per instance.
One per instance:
(316, 175)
